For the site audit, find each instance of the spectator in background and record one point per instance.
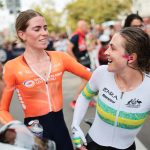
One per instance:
(92, 48)
(7, 46)
(1, 81)
(77, 48)
(104, 40)
(134, 20)
(61, 43)
(98, 30)
(52, 38)
(147, 24)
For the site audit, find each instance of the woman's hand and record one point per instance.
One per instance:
(82, 148)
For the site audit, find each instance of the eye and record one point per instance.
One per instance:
(110, 46)
(36, 29)
(45, 28)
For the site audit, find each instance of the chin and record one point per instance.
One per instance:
(43, 47)
(110, 69)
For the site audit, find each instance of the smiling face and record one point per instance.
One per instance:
(116, 54)
(36, 34)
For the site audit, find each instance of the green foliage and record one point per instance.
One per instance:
(1, 4)
(99, 10)
(52, 18)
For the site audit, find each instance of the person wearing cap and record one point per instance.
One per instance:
(104, 40)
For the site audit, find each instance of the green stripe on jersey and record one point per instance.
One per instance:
(125, 120)
(88, 93)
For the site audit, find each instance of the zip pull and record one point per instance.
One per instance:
(46, 82)
(121, 95)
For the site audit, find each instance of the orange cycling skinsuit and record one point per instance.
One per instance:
(36, 95)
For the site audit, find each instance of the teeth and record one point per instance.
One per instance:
(43, 40)
(109, 60)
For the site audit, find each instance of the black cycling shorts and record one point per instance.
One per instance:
(91, 145)
(55, 129)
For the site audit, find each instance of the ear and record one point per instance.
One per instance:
(22, 35)
(132, 58)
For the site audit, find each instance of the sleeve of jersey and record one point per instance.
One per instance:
(5, 101)
(71, 65)
(90, 90)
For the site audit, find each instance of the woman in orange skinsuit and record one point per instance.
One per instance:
(37, 77)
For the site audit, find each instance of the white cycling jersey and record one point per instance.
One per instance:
(119, 115)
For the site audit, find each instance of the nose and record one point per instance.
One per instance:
(44, 32)
(107, 51)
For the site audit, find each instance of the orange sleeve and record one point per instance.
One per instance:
(5, 101)
(71, 65)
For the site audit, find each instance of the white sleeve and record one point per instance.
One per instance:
(79, 112)
(88, 92)
(80, 109)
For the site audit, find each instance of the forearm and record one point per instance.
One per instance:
(77, 134)
(81, 106)
(5, 117)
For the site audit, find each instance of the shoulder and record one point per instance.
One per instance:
(102, 68)
(59, 55)
(147, 79)
(56, 53)
(74, 38)
(14, 61)
(12, 65)
(102, 73)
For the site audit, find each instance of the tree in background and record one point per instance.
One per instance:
(99, 10)
(1, 4)
(52, 18)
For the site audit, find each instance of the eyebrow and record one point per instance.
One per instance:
(112, 45)
(38, 26)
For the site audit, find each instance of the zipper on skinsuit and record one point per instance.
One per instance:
(46, 83)
(118, 109)
(50, 106)
(117, 115)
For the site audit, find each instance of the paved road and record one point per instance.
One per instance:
(70, 84)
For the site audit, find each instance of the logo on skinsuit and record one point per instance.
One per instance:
(29, 83)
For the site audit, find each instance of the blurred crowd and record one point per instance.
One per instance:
(97, 38)
(89, 41)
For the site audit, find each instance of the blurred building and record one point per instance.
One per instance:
(13, 6)
(142, 7)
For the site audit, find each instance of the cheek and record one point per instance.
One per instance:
(121, 60)
(32, 36)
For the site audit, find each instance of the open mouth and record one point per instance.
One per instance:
(43, 40)
(109, 61)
